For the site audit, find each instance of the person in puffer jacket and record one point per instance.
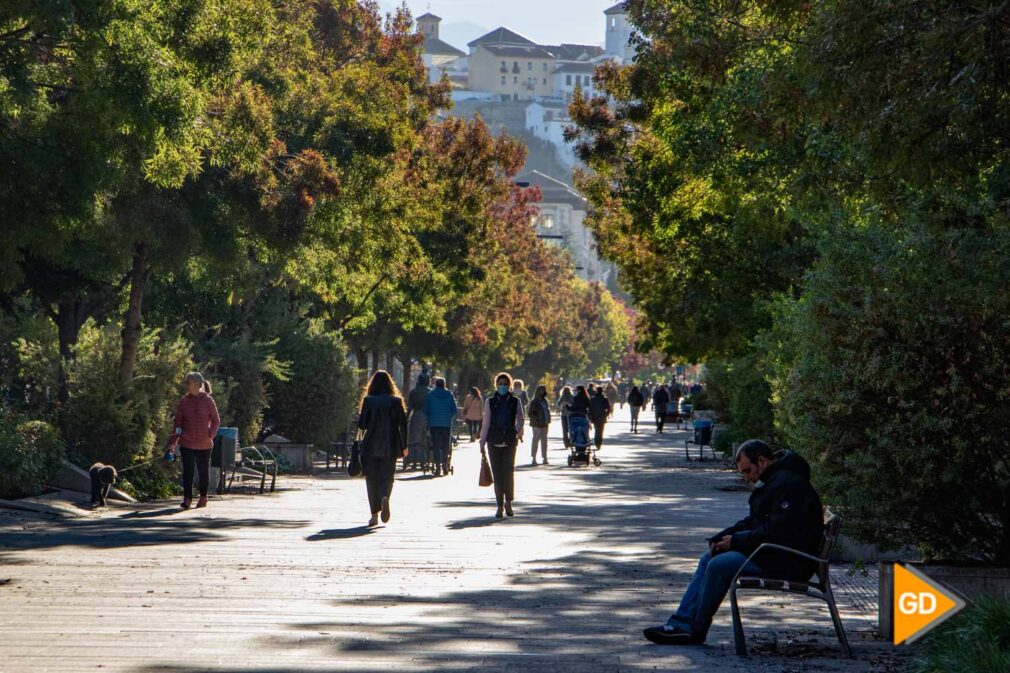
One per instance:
(440, 408)
(784, 510)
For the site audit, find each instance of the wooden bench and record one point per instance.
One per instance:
(819, 589)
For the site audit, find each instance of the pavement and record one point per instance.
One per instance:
(294, 582)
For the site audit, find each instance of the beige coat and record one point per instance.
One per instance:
(473, 408)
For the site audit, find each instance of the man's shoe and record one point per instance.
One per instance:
(667, 635)
(385, 510)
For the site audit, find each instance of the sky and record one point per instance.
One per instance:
(543, 21)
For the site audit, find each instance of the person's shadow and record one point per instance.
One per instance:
(342, 533)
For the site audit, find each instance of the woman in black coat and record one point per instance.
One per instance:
(383, 419)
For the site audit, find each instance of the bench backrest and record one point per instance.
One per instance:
(831, 531)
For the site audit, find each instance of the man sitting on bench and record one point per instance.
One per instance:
(784, 509)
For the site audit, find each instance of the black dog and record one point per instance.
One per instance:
(102, 479)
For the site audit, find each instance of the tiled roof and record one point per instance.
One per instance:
(501, 36)
(433, 45)
(518, 51)
(616, 9)
(429, 15)
(575, 52)
(576, 68)
(553, 190)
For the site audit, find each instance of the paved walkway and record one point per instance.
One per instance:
(293, 582)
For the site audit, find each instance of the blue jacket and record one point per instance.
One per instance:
(440, 408)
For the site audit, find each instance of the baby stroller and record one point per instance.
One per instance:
(582, 449)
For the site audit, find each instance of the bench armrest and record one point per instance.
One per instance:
(770, 545)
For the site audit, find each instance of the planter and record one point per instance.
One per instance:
(301, 456)
(970, 582)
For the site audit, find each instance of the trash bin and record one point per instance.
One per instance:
(224, 455)
(703, 432)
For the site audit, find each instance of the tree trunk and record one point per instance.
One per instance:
(390, 362)
(69, 317)
(405, 362)
(375, 362)
(246, 321)
(133, 320)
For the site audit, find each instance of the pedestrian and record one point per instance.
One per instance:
(635, 402)
(675, 398)
(660, 401)
(599, 412)
(540, 419)
(565, 409)
(647, 394)
(473, 412)
(500, 434)
(441, 410)
(519, 390)
(622, 391)
(383, 420)
(196, 424)
(611, 393)
(417, 428)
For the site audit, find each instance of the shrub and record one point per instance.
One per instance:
(109, 422)
(31, 452)
(977, 640)
(313, 405)
(739, 390)
(892, 375)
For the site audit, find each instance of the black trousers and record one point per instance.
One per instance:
(194, 460)
(441, 446)
(660, 419)
(474, 427)
(598, 433)
(503, 467)
(379, 474)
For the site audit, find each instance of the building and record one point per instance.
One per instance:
(440, 58)
(510, 66)
(619, 32)
(561, 221)
(571, 76)
(547, 121)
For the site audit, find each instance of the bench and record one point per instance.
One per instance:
(704, 429)
(819, 589)
(255, 463)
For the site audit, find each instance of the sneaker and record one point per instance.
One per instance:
(667, 635)
(202, 502)
(385, 510)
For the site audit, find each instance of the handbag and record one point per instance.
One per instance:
(486, 479)
(354, 468)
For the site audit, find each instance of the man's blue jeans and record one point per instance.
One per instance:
(707, 590)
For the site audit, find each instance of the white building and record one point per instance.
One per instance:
(571, 76)
(547, 121)
(440, 58)
(561, 221)
(619, 31)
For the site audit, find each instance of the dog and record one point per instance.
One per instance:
(102, 478)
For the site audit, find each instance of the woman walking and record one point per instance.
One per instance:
(196, 424)
(502, 430)
(417, 436)
(540, 421)
(565, 407)
(473, 412)
(383, 419)
(635, 401)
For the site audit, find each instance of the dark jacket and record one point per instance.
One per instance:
(599, 408)
(784, 509)
(385, 424)
(503, 420)
(636, 398)
(660, 399)
(580, 405)
(539, 412)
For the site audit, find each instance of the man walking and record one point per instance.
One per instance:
(660, 401)
(440, 408)
(540, 419)
(784, 509)
(599, 412)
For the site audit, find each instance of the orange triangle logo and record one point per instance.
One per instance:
(920, 604)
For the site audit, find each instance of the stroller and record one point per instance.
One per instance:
(582, 449)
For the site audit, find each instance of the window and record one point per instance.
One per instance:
(545, 81)
(545, 67)
(578, 80)
(503, 79)
(546, 221)
(515, 80)
(529, 66)
(613, 22)
(568, 80)
(504, 66)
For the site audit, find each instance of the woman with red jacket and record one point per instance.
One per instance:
(196, 424)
